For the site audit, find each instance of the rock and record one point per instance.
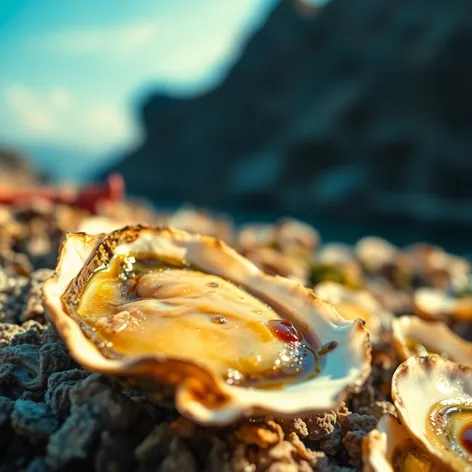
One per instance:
(59, 386)
(361, 111)
(33, 420)
(74, 439)
(104, 398)
(6, 407)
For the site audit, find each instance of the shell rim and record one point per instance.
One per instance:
(403, 323)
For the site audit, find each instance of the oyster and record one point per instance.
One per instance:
(278, 263)
(430, 266)
(433, 397)
(288, 236)
(98, 224)
(185, 218)
(164, 307)
(336, 262)
(353, 304)
(375, 253)
(199, 221)
(335, 254)
(281, 249)
(413, 336)
(391, 448)
(434, 304)
(437, 266)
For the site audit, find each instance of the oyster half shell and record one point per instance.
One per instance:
(413, 336)
(353, 304)
(375, 253)
(434, 304)
(433, 398)
(197, 310)
(391, 448)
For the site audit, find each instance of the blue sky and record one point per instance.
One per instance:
(71, 72)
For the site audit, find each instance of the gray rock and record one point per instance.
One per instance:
(33, 420)
(362, 111)
(74, 439)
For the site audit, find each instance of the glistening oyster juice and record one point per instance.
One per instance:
(141, 306)
(449, 427)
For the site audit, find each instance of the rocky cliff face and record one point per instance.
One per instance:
(363, 111)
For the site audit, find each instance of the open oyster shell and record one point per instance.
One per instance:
(98, 224)
(353, 304)
(436, 267)
(201, 392)
(288, 236)
(375, 253)
(413, 336)
(391, 448)
(335, 254)
(336, 262)
(433, 398)
(434, 304)
(282, 249)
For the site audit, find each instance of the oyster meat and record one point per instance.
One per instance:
(164, 307)
(433, 397)
(201, 315)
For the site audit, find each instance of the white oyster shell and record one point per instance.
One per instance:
(360, 303)
(98, 225)
(346, 367)
(288, 236)
(383, 448)
(423, 388)
(434, 335)
(374, 253)
(434, 304)
(335, 254)
(379, 445)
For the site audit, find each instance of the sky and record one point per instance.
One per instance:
(73, 72)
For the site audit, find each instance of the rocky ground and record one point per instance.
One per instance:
(54, 415)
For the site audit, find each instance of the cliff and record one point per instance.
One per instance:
(362, 111)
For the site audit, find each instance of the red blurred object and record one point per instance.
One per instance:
(86, 197)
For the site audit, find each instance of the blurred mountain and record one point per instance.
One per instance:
(362, 111)
(16, 170)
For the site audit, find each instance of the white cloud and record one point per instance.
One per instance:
(117, 41)
(54, 116)
(108, 120)
(30, 109)
(180, 47)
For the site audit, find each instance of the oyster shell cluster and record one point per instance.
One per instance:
(259, 361)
